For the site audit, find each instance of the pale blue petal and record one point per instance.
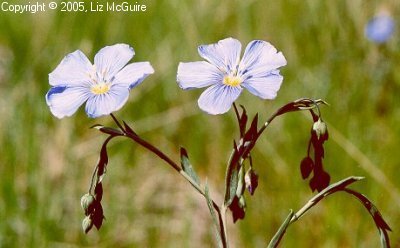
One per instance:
(64, 101)
(104, 104)
(111, 59)
(380, 28)
(74, 69)
(260, 57)
(198, 75)
(133, 74)
(218, 98)
(225, 54)
(264, 86)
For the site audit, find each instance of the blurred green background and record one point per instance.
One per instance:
(46, 163)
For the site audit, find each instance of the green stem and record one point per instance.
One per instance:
(223, 224)
(117, 122)
(177, 168)
(95, 179)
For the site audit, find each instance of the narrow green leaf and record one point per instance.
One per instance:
(281, 231)
(325, 192)
(231, 177)
(187, 166)
(213, 215)
(380, 223)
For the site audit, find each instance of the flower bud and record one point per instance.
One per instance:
(320, 130)
(251, 180)
(306, 167)
(242, 202)
(87, 224)
(87, 203)
(237, 208)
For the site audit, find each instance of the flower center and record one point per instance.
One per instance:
(100, 88)
(232, 80)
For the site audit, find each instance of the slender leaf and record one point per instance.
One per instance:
(187, 166)
(213, 215)
(103, 160)
(231, 177)
(128, 129)
(281, 231)
(325, 192)
(252, 132)
(243, 121)
(380, 223)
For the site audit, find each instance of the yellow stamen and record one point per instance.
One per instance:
(232, 81)
(100, 88)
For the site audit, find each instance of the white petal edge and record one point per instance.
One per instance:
(105, 104)
(198, 75)
(72, 70)
(225, 54)
(260, 57)
(218, 98)
(64, 101)
(265, 87)
(111, 59)
(133, 74)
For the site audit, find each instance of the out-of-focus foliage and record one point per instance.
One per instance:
(46, 163)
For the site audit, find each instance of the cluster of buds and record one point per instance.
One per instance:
(238, 205)
(93, 210)
(241, 180)
(319, 134)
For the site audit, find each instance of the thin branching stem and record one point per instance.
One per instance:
(117, 122)
(95, 179)
(236, 112)
(177, 168)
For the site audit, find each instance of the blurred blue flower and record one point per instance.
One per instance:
(380, 28)
(227, 75)
(105, 85)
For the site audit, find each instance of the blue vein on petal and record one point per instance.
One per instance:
(132, 85)
(56, 90)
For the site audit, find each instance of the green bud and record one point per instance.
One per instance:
(251, 180)
(87, 224)
(87, 203)
(240, 185)
(242, 202)
(320, 129)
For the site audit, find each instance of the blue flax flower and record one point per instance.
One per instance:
(104, 86)
(380, 28)
(226, 74)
